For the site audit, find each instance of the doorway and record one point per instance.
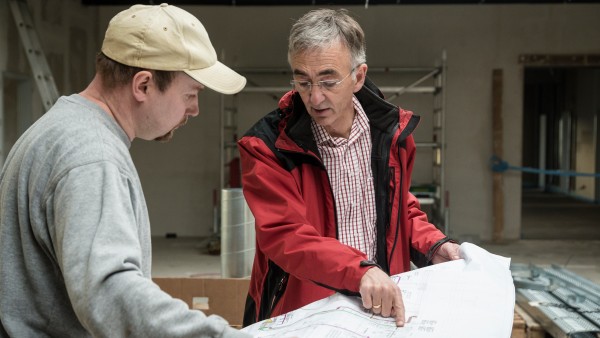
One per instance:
(560, 133)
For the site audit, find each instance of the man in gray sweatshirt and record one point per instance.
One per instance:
(75, 252)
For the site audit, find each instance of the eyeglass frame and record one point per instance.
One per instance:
(321, 84)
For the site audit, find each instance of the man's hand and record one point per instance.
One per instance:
(447, 252)
(380, 294)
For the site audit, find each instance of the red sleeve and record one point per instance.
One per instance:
(283, 233)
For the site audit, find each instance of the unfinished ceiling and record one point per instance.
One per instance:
(330, 2)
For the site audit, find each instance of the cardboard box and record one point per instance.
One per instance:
(225, 297)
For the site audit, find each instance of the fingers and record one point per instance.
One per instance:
(367, 301)
(390, 307)
(366, 287)
(447, 252)
(381, 295)
(454, 251)
(398, 310)
(387, 304)
(377, 302)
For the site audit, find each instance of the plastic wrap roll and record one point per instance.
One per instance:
(237, 235)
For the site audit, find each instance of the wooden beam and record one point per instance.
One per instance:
(497, 134)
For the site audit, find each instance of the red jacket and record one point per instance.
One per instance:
(298, 257)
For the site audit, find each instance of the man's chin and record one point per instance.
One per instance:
(166, 137)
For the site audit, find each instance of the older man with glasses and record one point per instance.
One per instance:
(326, 176)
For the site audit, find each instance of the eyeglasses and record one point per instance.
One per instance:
(329, 85)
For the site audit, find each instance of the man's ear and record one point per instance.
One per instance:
(140, 85)
(361, 75)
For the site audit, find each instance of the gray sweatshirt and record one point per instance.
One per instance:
(75, 251)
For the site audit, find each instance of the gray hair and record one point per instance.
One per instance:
(321, 28)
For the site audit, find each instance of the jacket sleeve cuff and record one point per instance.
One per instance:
(434, 248)
(370, 263)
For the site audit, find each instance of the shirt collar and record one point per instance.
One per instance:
(359, 125)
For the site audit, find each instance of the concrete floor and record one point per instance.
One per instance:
(555, 216)
(188, 257)
(556, 230)
(183, 257)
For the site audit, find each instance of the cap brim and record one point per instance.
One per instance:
(219, 77)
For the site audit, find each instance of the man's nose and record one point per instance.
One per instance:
(194, 110)
(316, 94)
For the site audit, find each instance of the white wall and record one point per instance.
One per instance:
(477, 38)
(179, 177)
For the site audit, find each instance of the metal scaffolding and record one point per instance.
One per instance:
(435, 77)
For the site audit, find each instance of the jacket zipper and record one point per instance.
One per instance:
(391, 209)
(277, 294)
(398, 221)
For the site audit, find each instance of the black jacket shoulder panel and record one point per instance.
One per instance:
(382, 114)
(267, 129)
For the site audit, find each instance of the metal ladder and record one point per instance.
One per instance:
(33, 49)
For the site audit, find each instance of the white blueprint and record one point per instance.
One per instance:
(471, 297)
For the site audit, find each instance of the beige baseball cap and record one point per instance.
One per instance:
(165, 37)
